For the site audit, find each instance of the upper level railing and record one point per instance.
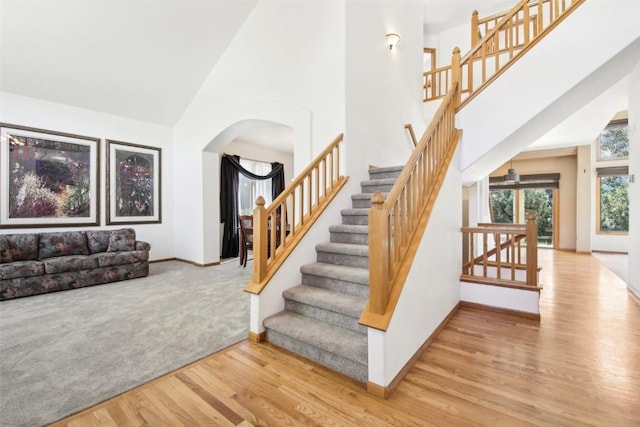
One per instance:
(497, 42)
(278, 228)
(494, 254)
(396, 224)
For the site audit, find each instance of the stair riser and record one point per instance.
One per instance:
(361, 203)
(370, 188)
(343, 259)
(353, 238)
(335, 285)
(355, 219)
(331, 317)
(348, 367)
(383, 175)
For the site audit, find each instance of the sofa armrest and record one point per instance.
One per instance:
(142, 246)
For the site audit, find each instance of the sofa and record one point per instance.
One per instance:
(37, 263)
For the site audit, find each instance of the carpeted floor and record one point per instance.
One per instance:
(65, 351)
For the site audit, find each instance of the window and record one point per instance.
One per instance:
(614, 141)
(501, 206)
(613, 200)
(249, 189)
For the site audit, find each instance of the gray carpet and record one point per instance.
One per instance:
(65, 351)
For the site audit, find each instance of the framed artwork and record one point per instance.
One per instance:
(134, 186)
(48, 179)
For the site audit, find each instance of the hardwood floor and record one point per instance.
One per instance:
(580, 365)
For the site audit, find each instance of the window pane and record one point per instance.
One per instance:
(502, 206)
(614, 142)
(614, 203)
(249, 189)
(540, 201)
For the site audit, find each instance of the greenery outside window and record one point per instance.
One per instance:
(613, 200)
(613, 143)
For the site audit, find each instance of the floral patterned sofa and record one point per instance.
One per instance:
(36, 263)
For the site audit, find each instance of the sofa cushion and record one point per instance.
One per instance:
(98, 240)
(62, 264)
(23, 247)
(122, 240)
(63, 243)
(108, 259)
(5, 250)
(19, 269)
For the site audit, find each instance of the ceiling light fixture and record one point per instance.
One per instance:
(392, 39)
(511, 175)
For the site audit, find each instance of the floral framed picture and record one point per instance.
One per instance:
(48, 178)
(134, 183)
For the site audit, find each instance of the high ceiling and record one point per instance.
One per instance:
(146, 59)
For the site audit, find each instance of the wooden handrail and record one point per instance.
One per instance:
(412, 134)
(502, 253)
(396, 225)
(278, 228)
(508, 35)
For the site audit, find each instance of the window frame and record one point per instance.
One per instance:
(600, 173)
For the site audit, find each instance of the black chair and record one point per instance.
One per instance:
(246, 237)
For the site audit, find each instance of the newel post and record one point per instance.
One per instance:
(475, 31)
(259, 241)
(378, 255)
(532, 249)
(456, 74)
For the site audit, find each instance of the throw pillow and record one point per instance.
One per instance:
(5, 251)
(122, 240)
(98, 240)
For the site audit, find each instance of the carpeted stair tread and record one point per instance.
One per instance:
(365, 196)
(340, 341)
(343, 249)
(348, 305)
(385, 169)
(349, 228)
(338, 272)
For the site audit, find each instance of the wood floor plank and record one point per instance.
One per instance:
(578, 366)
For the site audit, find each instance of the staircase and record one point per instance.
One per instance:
(320, 320)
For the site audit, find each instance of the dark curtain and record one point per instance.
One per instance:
(230, 167)
(229, 206)
(277, 183)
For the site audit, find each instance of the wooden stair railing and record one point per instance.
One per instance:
(278, 228)
(502, 253)
(507, 36)
(396, 225)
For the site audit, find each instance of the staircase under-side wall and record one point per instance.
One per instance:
(320, 320)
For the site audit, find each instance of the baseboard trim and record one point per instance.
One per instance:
(385, 392)
(197, 264)
(162, 260)
(257, 337)
(610, 252)
(509, 311)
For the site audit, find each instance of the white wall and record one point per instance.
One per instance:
(634, 190)
(540, 96)
(285, 65)
(584, 184)
(23, 111)
(382, 85)
(432, 288)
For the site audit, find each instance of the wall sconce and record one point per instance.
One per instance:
(392, 39)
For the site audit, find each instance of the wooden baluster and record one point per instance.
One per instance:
(475, 28)
(512, 261)
(532, 249)
(259, 241)
(525, 24)
(378, 255)
(273, 235)
(485, 260)
(498, 255)
(472, 251)
(540, 20)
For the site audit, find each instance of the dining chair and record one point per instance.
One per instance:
(246, 237)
